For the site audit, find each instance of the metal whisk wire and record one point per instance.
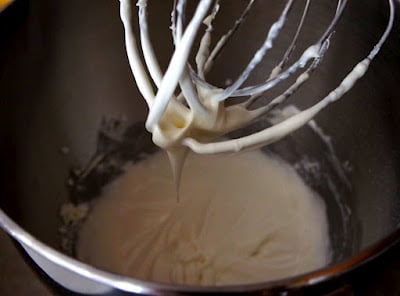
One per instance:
(199, 99)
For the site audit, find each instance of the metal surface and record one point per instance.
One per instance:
(64, 68)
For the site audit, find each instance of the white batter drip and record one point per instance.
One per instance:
(199, 114)
(242, 219)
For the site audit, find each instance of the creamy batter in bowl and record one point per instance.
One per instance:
(58, 127)
(114, 236)
(240, 219)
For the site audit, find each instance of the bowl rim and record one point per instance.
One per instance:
(127, 284)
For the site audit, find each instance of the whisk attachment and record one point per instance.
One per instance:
(198, 115)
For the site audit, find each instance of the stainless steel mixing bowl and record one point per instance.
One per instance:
(63, 69)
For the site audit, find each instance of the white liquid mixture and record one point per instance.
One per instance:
(241, 219)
